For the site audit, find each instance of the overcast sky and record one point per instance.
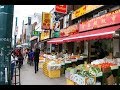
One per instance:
(22, 11)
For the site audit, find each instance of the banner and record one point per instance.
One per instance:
(45, 35)
(46, 20)
(83, 10)
(102, 21)
(69, 31)
(61, 9)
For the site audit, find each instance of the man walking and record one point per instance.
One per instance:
(36, 59)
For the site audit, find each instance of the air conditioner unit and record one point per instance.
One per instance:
(102, 12)
(96, 15)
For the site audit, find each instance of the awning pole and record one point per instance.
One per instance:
(89, 51)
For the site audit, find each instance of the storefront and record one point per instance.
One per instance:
(43, 41)
(97, 29)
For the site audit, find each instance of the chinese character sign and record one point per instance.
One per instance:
(46, 17)
(102, 21)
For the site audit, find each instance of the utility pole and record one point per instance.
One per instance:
(15, 34)
(6, 23)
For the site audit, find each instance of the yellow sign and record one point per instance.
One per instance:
(90, 8)
(46, 20)
(79, 12)
(45, 35)
(83, 10)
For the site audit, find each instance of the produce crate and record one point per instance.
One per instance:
(80, 80)
(54, 73)
(69, 82)
(40, 65)
(67, 74)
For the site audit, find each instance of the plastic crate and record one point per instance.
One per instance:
(40, 65)
(54, 73)
(69, 82)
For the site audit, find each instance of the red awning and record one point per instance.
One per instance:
(103, 33)
(55, 41)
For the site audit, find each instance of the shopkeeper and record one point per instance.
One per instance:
(100, 53)
(109, 57)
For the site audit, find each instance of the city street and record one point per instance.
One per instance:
(28, 77)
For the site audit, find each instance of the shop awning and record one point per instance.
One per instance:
(55, 41)
(103, 33)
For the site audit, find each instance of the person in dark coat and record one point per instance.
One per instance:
(20, 58)
(36, 59)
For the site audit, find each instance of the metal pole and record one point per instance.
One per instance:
(15, 33)
(6, 21)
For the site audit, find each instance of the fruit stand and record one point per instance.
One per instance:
(98, 72)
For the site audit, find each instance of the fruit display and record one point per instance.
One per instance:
(70, 71)
(52, 65)
(88, 70)
(84, 74)
(41, 58)
(106, 65)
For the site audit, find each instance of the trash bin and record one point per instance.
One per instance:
(12, 69)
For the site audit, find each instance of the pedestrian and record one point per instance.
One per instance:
(31, 57)
(36, 59)
(20, 58)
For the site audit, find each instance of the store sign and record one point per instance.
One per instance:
(79, 12)
(45, 35)
(35, 33)
(83, 10)
(90, 8)
(56, 34)
(102, 21)
(61, 9)
(56, 26)
(69, 31)
(46, 19)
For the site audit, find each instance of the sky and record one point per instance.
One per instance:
(22, 11)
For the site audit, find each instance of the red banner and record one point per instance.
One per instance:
(102, 21)
(69, 31)
(61, 9)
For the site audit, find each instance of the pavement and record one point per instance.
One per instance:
(28, 77)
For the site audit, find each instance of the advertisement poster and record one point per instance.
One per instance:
(46, 20)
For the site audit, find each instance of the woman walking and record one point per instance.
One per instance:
(36, 59)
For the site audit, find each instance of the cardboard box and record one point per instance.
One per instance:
(110, 80)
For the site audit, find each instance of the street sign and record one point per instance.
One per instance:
(35, 33)
(16, 30)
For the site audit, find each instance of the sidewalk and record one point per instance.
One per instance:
(28, 77)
